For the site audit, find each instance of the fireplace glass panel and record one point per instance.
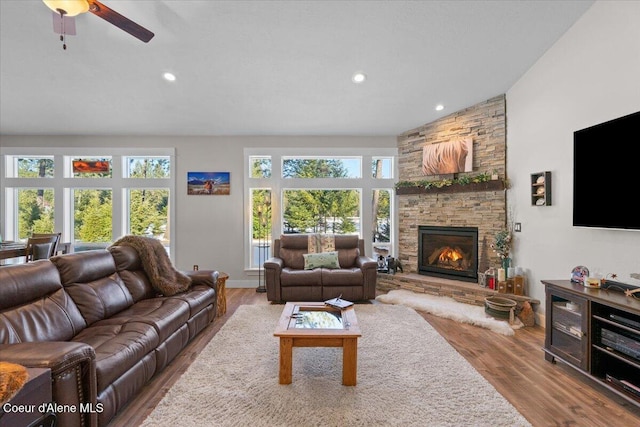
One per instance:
(450, 252)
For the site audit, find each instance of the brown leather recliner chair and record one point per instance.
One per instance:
(287, 280)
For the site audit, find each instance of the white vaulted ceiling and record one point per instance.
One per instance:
(267, 67)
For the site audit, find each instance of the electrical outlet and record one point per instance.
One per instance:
(517, 227)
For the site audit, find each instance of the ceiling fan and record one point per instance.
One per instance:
(69, 8)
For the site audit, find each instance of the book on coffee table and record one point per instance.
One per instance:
(338, 303)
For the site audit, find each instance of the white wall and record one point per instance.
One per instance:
(209, 229)
(591, 75)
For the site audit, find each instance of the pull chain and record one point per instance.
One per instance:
(63, 32)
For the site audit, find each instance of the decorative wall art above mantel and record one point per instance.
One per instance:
(448, 157)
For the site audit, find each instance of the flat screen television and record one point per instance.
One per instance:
(606, 174)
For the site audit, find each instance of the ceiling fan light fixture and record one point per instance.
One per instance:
(68, 7)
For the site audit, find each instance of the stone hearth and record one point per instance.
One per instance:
(465, 292)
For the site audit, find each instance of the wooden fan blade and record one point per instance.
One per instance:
(120, 21)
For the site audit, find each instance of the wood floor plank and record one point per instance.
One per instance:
(547, 394)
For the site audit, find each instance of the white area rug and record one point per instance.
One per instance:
(408, 375)
(450, 309)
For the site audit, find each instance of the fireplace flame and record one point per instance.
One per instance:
(449, 255)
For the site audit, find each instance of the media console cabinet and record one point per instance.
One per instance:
(597, 332)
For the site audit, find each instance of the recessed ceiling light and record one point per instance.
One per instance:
(439, 107)
(359, 77)
(170, 77)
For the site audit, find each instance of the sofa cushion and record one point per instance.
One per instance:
(33, 300)
(100, 298)
(92, 281)
(292, 249)
(348, 257)
(129, 266)
(295, 277)
(34, 321)
(198, 297)
(166, 315)
(23, 283)
(84, 266)
(342, 277)
(321, 259)
(119, 345)
(293, 258)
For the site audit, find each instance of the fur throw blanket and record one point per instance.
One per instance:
(156, 263)
(12, 378)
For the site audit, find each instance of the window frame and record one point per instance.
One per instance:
(277, 184)
(63, 183)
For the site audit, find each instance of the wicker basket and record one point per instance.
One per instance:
(500, 307)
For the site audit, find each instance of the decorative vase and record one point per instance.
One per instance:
(505, 263)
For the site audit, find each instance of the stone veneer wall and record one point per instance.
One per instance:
(485, 123)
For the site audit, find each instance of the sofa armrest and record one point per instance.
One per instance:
(369, 268)
(272, 270)
(73, 375)
(365, 263)
(204, 277)
(274, 263)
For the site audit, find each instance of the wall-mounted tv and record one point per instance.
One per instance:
(606, 174)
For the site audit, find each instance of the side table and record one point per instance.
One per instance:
(35, 392)
(222, 293)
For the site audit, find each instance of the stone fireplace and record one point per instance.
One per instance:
(449, 252)
(481, 206)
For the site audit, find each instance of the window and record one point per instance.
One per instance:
(381, 226)
(31, 167)
(321, 211)
(147, 167)
(318, 191)
(92, 218)
(149, 212)
(382, 168)
(260, 167)
(89, 197)
(321, 167)
(260, 226)
(35, 211)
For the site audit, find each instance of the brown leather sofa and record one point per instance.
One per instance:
(94, 319)
(287, 280)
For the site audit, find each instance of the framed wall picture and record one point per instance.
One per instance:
(208, 183)
(448, 157)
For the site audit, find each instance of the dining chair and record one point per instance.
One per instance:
(40, 247)
(54, 248)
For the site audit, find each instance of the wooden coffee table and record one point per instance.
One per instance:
(313, 324)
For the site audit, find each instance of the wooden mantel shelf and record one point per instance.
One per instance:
(472, 187)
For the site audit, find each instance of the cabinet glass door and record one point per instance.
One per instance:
(567, 322)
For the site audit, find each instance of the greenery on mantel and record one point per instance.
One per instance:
(460, 184)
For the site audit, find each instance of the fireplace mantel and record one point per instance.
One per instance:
(473, 187)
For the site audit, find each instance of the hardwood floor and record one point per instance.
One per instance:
(547, 394)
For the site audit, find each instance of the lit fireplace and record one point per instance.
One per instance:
(450, 252)
(452, 258)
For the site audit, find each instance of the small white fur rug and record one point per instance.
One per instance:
(450, 309)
